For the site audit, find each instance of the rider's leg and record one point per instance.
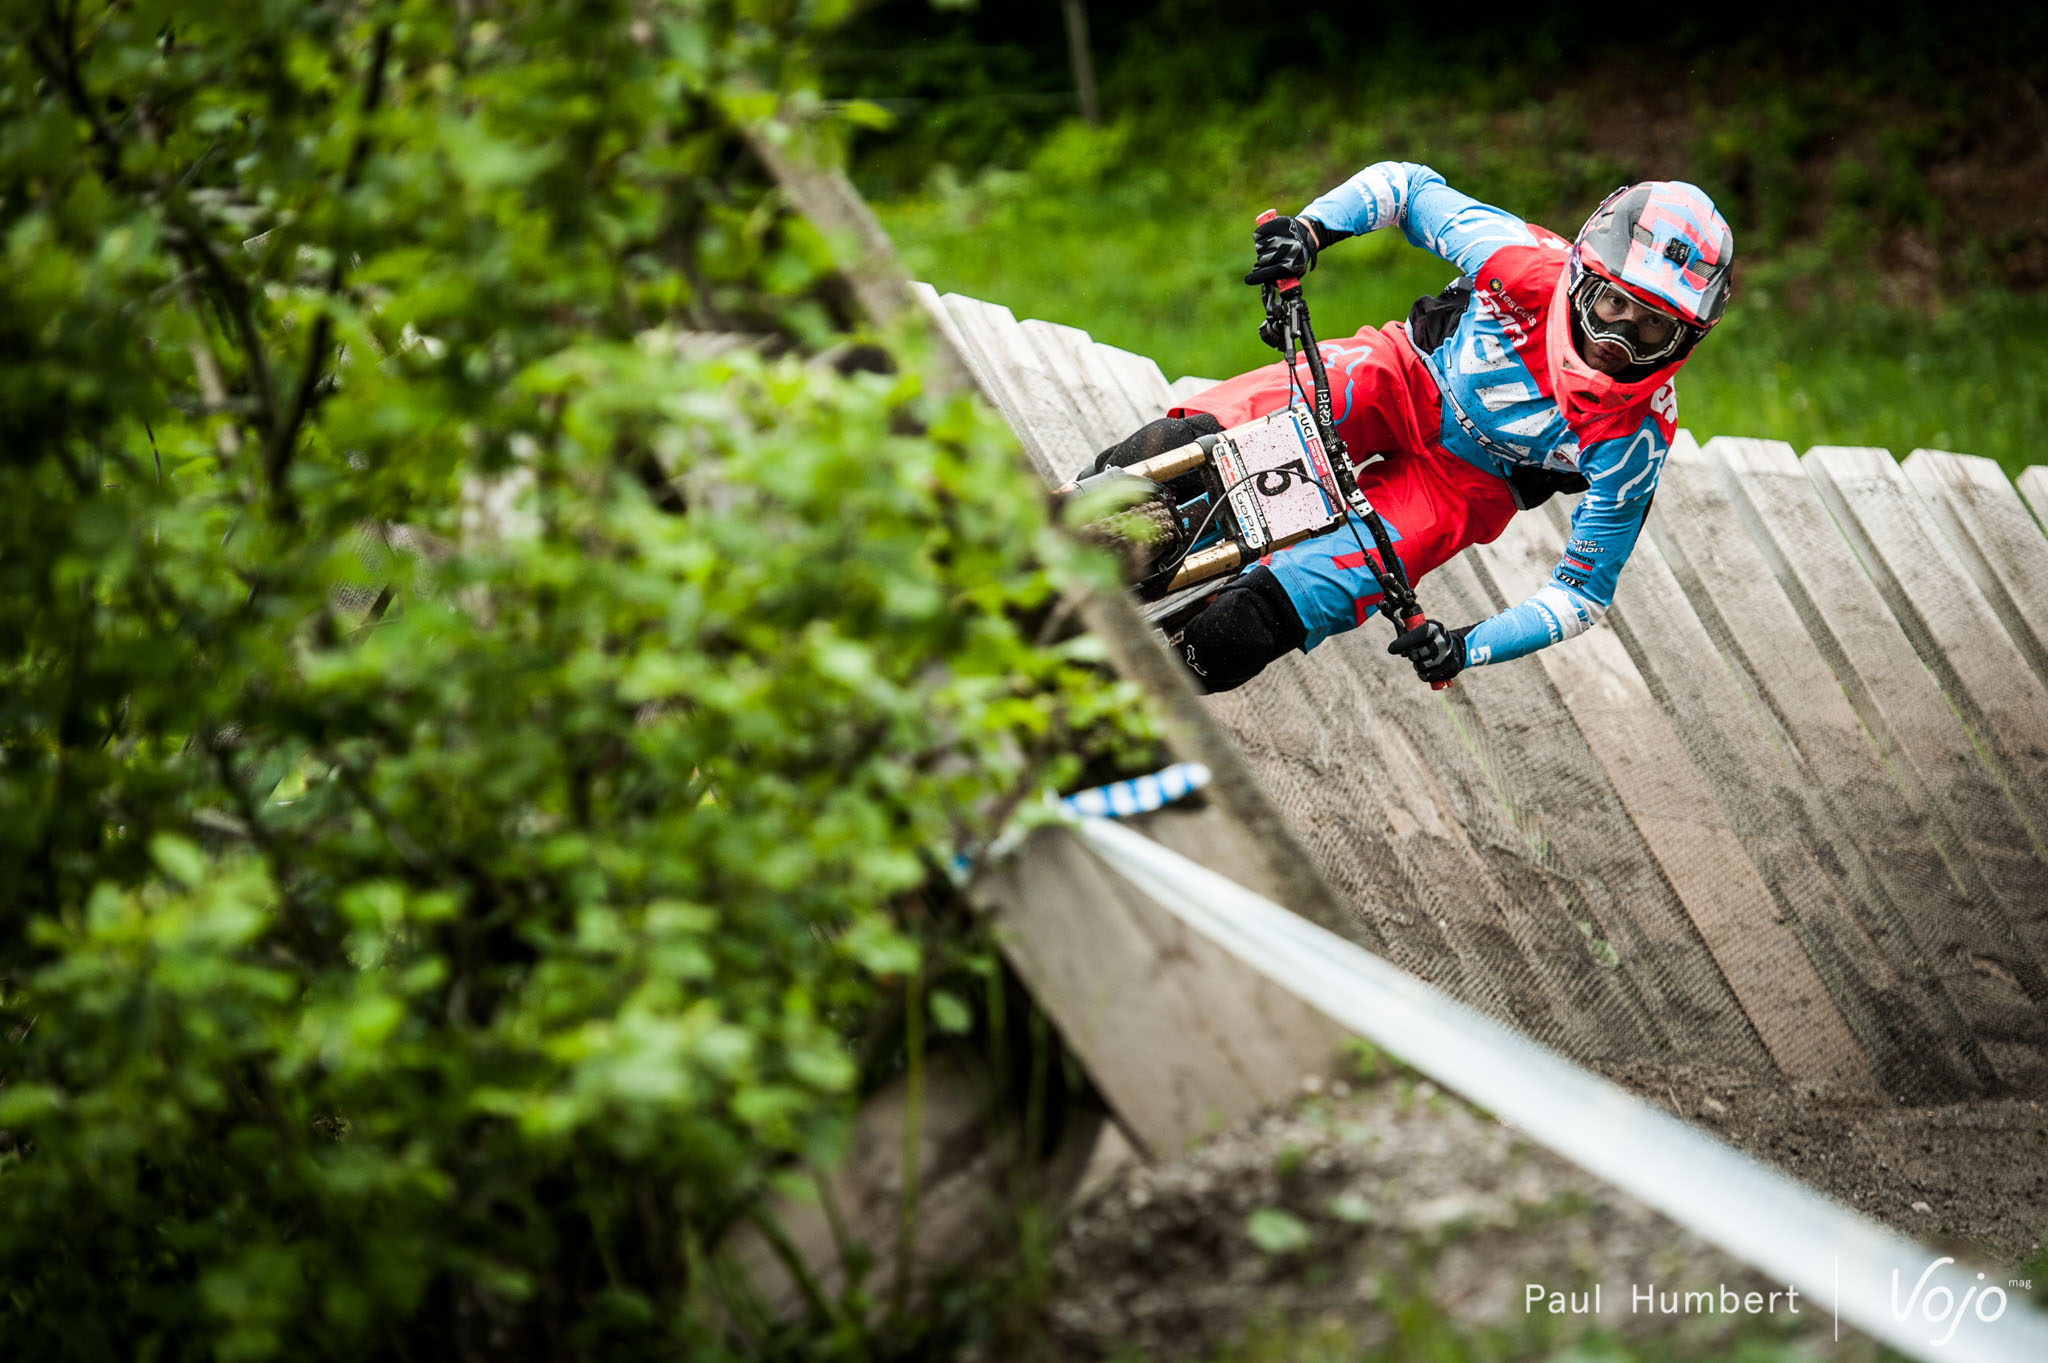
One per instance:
(1243, 627)
(1434, 505)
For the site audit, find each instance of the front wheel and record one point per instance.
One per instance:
(1145, 528)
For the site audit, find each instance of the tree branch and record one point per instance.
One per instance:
(297, 921)
(188, 235)
(62, 67)
(277, 451)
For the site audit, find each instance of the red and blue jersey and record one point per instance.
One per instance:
(1514, 391)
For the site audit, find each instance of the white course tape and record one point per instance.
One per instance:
(1909, 1297)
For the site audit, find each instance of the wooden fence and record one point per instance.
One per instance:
(1787, 807)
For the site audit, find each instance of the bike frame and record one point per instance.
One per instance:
(1287, 326)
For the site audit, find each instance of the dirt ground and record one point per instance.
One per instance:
(1412, 1214)
(1969, 1175)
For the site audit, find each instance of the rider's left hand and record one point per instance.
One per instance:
(1438, 654)
(1285, 248)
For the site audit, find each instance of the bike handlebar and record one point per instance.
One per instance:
(1392, 585)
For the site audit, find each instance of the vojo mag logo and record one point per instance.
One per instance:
(1939, 1306)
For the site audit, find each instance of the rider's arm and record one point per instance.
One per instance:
(1621, 475)
(1429, 213)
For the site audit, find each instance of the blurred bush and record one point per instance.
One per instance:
(478, 700)
(1890, 239)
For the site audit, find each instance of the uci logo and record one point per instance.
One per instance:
(1950, 1311)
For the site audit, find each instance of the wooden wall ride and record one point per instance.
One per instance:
(1787, 807)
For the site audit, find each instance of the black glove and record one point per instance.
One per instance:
(1437, 653)
(1285, 248)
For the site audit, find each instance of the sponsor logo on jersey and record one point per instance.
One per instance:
(1585, 547)
(1516, 320)
(1664, 402)
(1569, 579)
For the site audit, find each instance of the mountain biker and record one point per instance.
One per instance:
(1547, 366)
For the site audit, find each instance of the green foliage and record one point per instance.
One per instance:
(1278, 1232)
(1141, 239)
(474, 739)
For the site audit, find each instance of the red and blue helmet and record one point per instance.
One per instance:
(1663, 243)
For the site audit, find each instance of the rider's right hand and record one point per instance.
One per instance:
(1286, 249)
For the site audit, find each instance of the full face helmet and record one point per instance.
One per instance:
(1650, 274)
(1662, 247)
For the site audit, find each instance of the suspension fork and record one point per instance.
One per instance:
(1287, 326)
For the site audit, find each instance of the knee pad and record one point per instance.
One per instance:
(1247, 625)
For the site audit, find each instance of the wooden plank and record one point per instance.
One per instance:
(1178, 1035)
(1041, 399)
(1952, 628)
(935, 311)
(1695, 846)
(1587, 948)
(1997, 542)
(1534, 904)
(1102, 421)
(2033, 488)
(1074, 356)
(1603, 877)
(1141, 378)
(961, 328)
(1988, 850)
(1917, 1042)
(1004, 361)
(1383, 838)
(1873, 817)
(1451, 831)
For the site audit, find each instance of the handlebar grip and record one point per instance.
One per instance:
(1291, 282)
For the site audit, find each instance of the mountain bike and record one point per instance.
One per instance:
(1190, 515)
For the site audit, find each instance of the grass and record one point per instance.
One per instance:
(1098, 233)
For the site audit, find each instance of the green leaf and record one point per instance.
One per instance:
(179, 858)
(1277, 1232)
(949, 1014)
(23, 1104)
(880, 949)
(1351, 1207)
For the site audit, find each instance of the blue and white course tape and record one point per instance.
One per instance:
(1139, 795)
(1117, 800)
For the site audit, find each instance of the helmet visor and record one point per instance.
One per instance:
(1648, 335)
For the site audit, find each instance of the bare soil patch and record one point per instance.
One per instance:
(1972, 1176)
(1423, 1214)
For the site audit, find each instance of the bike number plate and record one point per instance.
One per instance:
(1278, 478)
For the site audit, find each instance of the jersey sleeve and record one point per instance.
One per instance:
(1621, 476)
(1429, 213)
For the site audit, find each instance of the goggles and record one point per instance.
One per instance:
(1605, 313)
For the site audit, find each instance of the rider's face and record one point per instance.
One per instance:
(1652, 328)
